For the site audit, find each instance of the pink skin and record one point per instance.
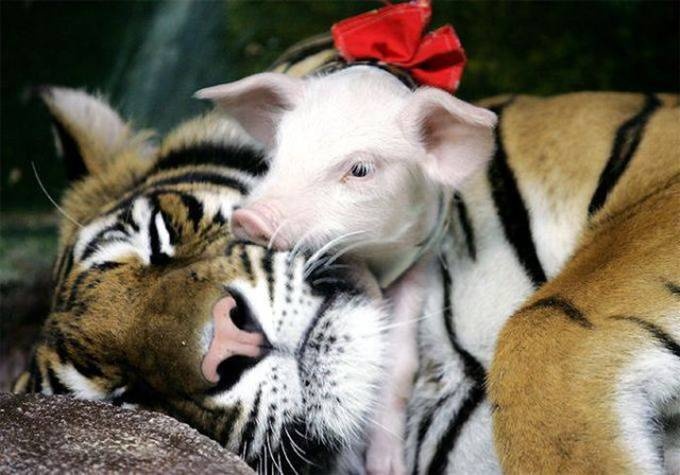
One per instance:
(255, 225)
(228, 340)
(258, 223)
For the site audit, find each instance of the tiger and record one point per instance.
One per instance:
(553, 301)
(145, 255)
(550, 338)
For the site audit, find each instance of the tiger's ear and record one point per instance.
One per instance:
(88, 132)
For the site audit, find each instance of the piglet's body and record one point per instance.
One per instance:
(363, 166)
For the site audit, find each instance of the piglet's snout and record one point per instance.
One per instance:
(229, 340)
(258, 223)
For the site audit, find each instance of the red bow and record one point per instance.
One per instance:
(394, 35)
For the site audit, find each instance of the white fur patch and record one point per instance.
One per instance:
(647, 391)
(81, 386)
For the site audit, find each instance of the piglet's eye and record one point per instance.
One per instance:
(362, 169)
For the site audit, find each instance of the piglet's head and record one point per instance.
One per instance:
(355, 156)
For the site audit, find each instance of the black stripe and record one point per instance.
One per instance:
(55, 340)
(172, 233)
(127, 218)
(64, 264)
(60, 278)
(93, 245)
(565, 306)
(194, 209)
(73, 294)
(511, 209)
(219, 219)
(304, 50)
(192, 178)
(323, 308)
(247, 265)
(249, 428)
(424, 427)
(55, 384)
(82, 359)
(473, 370)
(106, 266)
(233, 244)
(157, 257)
(657, 332)
(472, 367)
(466, 225)
(672, 287)
(627, 140)
(237, 157)
(447, 442)
(633, 208)
(267, 267)
(226, 423)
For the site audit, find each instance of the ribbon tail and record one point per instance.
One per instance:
(440, 60)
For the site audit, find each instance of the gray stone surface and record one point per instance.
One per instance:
(59, 434)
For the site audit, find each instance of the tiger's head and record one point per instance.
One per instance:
(276, 355)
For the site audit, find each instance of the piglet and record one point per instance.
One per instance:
(363, 165)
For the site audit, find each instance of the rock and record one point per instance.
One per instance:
(50, 434)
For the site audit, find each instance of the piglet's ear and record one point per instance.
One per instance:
(257, 102)
(456, 136)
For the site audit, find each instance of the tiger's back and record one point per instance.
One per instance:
(576, 215)
(580, 157)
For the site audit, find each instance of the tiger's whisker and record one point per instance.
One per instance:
(52, 200)
(377, 424)
(345, 250)
(330, 244)
(297, 449)
(297, 248)
(285, 455)
(276, 232)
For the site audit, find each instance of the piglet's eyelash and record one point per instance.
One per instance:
(361, 169)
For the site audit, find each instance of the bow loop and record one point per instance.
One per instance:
(394, 35)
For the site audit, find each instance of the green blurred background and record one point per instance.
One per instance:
(148, 58)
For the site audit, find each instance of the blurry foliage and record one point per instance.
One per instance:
(513, 46)
(523, 47)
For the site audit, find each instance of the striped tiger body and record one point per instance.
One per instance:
(556, 291)
(568, 175)
(145, 252)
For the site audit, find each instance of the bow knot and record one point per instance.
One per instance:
(394, 35)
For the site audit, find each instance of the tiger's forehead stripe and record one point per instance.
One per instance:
(241, 158)
(139, 220)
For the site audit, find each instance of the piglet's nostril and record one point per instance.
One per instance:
(229, 341)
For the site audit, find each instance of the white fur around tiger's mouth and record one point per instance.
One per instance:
(318, 385)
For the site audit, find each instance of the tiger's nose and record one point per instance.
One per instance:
(231, 342)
